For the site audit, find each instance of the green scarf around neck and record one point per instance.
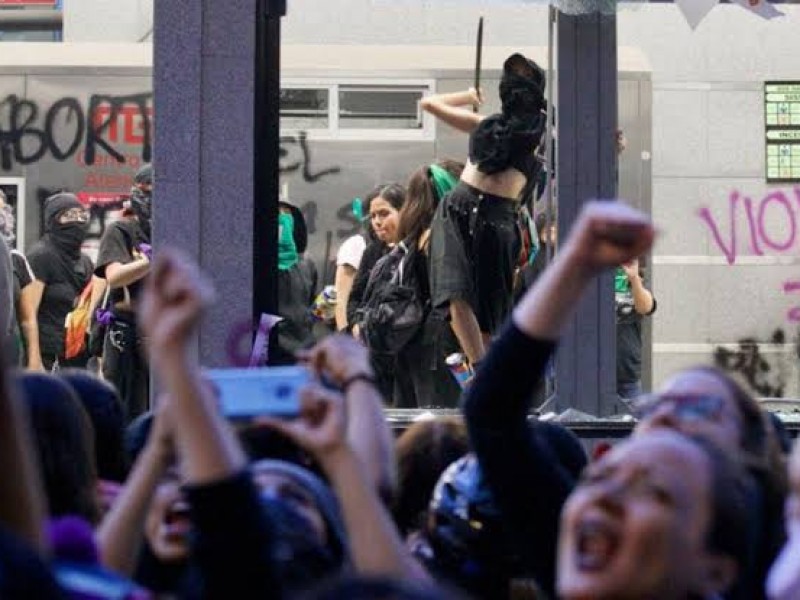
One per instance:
(287, 250)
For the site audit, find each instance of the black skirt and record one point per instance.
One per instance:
(475, 244)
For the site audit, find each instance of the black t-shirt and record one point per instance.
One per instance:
(121, 244)
(629, 338)
(64, 280)
(23, 275)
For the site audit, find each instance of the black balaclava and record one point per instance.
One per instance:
(509, 139)
(67, 238)
(141, 201)
(522, 88)
(141, 204)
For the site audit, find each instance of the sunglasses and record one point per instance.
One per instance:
(74, 214)
(687, 407)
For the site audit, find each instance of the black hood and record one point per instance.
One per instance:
(522, 87)
(300, 227)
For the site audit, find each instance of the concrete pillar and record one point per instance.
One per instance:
(586, 169)
(204, 93)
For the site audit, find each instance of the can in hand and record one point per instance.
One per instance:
(459, 367)
(324, 307)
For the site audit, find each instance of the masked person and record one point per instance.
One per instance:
(63, 275)
(123, 261)
(475, 239)
(297, 283)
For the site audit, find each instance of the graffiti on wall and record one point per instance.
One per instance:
(29, 133)
(290, 163)
(765, 373)
(778, 210)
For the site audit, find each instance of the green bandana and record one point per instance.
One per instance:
(287, 251)
(621, 283)
(443, 181)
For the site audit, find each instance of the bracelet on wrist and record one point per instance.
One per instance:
(364, 377)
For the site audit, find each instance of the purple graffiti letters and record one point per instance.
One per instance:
(781, 198)
(705, 214)
(776, 204)
(788, 288)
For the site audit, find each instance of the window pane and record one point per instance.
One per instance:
(379, 108)
(304, 108)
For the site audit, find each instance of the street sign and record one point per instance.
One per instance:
(782, 119)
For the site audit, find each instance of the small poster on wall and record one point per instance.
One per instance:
(782, 120)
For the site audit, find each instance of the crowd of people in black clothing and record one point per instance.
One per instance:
(68, 311)
(180, 502)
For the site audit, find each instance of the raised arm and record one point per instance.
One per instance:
(643, 301)
(375, 544)
(121, 532)
(345, 362)
(232, 546)
(518, 466)
(450, 108)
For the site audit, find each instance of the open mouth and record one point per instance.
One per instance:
(597, 544)
(177, 522)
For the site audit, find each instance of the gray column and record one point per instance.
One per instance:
(586, 169)
(204, 85)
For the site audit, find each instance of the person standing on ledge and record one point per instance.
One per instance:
(475, 239)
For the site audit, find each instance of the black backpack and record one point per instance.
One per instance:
(393, 310)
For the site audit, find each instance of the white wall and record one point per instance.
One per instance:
(708, 141)
(107, 20)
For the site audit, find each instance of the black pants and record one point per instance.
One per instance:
(425, 380)
(124, 366)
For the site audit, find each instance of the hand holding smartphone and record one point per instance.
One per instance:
(245, 394)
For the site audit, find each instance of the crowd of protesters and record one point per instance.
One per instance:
(107, 497)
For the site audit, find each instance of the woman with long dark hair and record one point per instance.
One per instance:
(382, 206)
(429, 382)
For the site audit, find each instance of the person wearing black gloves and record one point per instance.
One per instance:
(62, 273)
(123, 261)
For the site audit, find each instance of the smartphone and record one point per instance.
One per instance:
(270, 391)
(94, 583)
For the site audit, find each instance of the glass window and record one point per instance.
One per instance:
(379, 107)
(30, 21)
(303, 109)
